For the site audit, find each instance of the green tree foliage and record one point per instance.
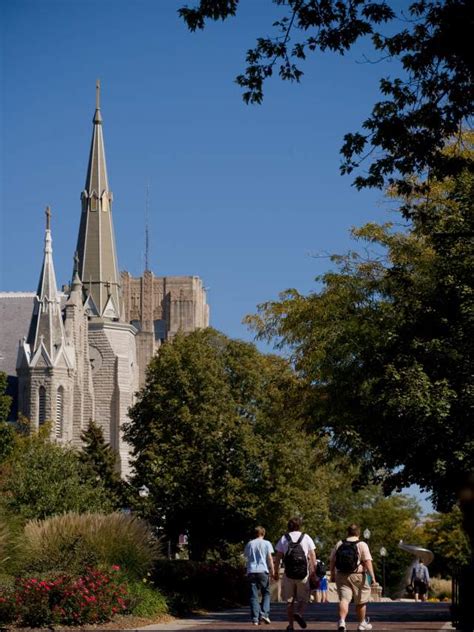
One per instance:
(419, 110)
(447, 539)
(100, 458)
(41, 479)
(386, 346)
(7, 439)
(5, 400)
(219, 438)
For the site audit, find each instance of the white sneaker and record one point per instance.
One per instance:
(365, 625)
(342, 626)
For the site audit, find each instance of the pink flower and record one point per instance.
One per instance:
(115, 567)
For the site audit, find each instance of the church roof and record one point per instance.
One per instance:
(15, 317)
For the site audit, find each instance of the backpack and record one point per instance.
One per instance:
(296, 564)
(320, 569)
(347, 557)
(419, 573)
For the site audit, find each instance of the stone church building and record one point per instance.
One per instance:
(83, 352)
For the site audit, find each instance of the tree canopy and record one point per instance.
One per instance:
(219, 438)
(446, 538)
(386, 346)
(420, 110)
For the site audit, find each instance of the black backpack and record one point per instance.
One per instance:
(347, 557)
(296, 564)
(320, 569)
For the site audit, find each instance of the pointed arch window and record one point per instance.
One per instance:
(41, 405)
(59, 422)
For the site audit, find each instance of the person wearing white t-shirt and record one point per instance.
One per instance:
(295, 590)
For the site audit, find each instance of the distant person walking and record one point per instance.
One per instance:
(350, 564)
(258, 553)
(420, 580)
(297, 550)
(323, 590)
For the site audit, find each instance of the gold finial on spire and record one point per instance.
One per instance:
(97, 94)
(48, 218)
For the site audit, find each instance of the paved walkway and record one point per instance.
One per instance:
(389, 616)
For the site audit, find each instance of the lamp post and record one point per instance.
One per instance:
(366, 534)
(143, 491)
(383, 555)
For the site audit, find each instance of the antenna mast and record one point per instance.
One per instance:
(147, 239)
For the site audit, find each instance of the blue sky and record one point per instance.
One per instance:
(243, 196)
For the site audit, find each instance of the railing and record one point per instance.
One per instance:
(463, 592)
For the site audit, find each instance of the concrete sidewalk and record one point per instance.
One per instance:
(390, 616)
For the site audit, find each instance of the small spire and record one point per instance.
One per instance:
(76, 281)
(48, 218)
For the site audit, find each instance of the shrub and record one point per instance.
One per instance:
(145, 600)
(40, 479)
(440, 588)
(194, 585)
(72, 542)
(91, 598)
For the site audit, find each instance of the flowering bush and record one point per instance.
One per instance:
(93, 597)
(7, 610)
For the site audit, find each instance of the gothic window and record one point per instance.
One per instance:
(41, 405)
(59, 412)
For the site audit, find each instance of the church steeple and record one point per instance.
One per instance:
(46, 328)
(98, 269)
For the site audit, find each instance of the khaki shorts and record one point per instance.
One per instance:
(295, 589)
(353, 586)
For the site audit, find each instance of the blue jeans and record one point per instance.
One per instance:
(259, 585)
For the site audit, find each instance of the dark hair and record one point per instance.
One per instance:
(258, 531)
(294, 524)
(353, 530)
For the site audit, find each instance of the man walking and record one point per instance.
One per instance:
(350, 564)
(258, 553)
(297, 550)
(420, 579)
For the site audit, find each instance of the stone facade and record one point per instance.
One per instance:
(159, 307)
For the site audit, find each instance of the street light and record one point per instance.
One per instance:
(383, 555)
(366, 534)
(143, 491)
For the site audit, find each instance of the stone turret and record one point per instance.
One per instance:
(46, 361)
